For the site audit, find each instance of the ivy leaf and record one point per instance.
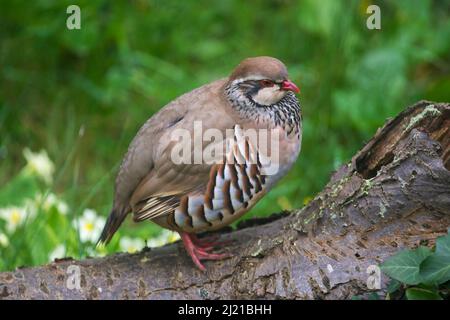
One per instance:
(422, 294)
(393, 286)
(404, 266)
(436, 268)
(373, 296)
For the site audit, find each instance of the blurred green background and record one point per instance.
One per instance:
(79, 96)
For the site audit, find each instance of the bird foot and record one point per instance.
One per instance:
(201, 251)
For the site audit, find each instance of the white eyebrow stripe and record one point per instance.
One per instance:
(254, 78)
(249, 78)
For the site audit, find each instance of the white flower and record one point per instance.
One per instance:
(16, 216)
(4, 241)
(52, 201)
(39, 164)
(58, 253)
(89, 225)
(165, 237)
(62, 207)
(131, 245)
(171, 236)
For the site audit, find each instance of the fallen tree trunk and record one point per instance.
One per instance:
(395, 193)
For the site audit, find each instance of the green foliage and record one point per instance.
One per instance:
(422, 273)
(436, 268)
(82, 94)
(404, 266)
(422, 294)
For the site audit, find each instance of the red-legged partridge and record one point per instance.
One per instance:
(207, 157)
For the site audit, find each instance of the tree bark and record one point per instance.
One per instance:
(393, 194)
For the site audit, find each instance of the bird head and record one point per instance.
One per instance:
(263, 80)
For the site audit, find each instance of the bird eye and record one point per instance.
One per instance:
(265, 83)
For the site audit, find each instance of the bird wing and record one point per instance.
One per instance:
(225, 184)
(142, 161)
(160, 192)
(149, 181)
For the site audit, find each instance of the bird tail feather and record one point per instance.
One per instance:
(113, 223)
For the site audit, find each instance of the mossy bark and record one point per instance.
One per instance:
(395, 193)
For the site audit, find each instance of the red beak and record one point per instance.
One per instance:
(289, 86)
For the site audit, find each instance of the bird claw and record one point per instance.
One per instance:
(200, 249)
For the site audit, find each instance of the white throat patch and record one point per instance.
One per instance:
(269, 95)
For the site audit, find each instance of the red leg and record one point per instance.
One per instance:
(197, 252)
